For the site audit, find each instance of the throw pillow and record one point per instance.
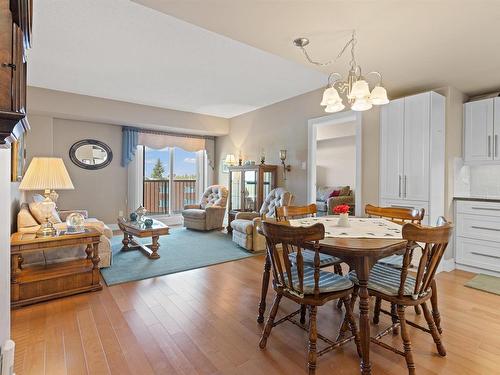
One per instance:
(37, 211)
(24, 218)
(334, 193)
(345, 190)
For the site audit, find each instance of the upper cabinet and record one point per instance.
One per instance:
(481, 130)
(412, 153)
(15, 38)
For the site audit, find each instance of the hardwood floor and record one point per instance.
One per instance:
(204, 322)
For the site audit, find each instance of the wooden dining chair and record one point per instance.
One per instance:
(402, 289)
(398, 215)
(305, 285)
(325, 260)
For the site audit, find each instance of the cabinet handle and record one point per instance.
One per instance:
(485, 255)
(485, 208)
(401, 206)
(485, 228)
(399, 186)
(495, 146)
(489, 146)
(9, 65)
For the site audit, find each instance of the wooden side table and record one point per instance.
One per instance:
(38, 283)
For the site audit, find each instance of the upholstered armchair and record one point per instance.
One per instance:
(246, 224)
(209, 214)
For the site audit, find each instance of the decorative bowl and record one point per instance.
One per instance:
(133, 216)
(148, 223)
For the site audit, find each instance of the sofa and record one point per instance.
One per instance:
(245, 224)
(209, 213)
(327, 197)
(27, 223)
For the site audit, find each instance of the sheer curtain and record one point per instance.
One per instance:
(135, 179)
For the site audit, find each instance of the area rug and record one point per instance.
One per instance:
(487, 283)
(181, 250)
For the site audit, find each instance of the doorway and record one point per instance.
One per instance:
(334, 150)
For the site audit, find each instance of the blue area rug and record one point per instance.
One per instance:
(181, 250)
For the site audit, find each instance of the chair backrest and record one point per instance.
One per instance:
(276, 198)
(399, 215)
(291, 212)
(433, 242)
(215, 195)
(292, 239)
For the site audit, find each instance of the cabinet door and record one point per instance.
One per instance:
(391, 149)
(478, 132)
(496, 130)
(5, 57)
(416, 147)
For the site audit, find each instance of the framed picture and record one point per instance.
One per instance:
(18, 159)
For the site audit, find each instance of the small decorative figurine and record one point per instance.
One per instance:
(133, 216)
(141, 212)
(148, 223)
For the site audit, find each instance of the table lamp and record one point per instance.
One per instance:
(47, 174)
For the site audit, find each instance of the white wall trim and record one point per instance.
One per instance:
(446, 265)
(472, 269)
(336, 118)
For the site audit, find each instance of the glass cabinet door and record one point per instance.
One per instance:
(251, 190)
(267, 183)
(235, 190)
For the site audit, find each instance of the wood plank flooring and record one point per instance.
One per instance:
(204, 322)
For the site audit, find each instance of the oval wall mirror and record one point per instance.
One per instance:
(90, 154)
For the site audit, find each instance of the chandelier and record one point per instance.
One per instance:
(355, 86)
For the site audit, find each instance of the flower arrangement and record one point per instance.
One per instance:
(341, 209)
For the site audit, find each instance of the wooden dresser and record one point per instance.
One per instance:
(45, 282)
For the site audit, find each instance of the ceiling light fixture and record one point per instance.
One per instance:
(355, 86)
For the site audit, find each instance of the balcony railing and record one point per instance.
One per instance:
(156, 195)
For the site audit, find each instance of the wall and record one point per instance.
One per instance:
(336, 161)
(284, 125)
(102, 192)
(5, 244)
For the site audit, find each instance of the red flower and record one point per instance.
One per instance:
(341, 209)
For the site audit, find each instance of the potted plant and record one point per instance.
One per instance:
(343, 211)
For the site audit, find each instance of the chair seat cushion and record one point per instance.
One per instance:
(194, 213)
(328, 281)
(392, 260)
(242, 225)
(308, 256)
(386, 280)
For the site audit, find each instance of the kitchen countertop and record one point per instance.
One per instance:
(478, 199)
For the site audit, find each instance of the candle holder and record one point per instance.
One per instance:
(286, 168)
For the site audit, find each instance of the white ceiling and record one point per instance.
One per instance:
(415, 44)
(118, 49)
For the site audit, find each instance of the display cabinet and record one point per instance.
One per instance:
(249, 186)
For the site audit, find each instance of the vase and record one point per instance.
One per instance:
(343, 220)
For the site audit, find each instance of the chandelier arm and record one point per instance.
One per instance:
(378, 75)
(337, 76)
(304, 51)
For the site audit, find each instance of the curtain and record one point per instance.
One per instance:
(130, 140)
(135, 175)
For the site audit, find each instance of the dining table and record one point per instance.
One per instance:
(360, 251)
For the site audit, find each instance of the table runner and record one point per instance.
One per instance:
(359, 227)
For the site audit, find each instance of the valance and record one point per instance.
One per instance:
(132, 137)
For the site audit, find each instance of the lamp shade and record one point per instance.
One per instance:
(379, 96)
(361, 104)
(330, 96)
(46, 173)
(230, 159)
(334, 107)
(360, 89)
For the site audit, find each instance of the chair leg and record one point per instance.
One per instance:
(302, 314)
(394, 317)
(406, 340)
(434, 332)
(270, 322)
(338, 270)
(376, 310)
(345, 326)
(349, 316)
(417, 310)
(313, 336)
(435, 309)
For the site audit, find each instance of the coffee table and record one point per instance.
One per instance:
(133, 228)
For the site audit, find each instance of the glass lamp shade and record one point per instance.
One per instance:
(75, 222)
(230, 159)
(379, 96)
(361, 104)
(330, 96)
(282, 155)
(337, 107)
(359, 89)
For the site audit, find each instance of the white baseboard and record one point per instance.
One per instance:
(447, 265)
(472, 269)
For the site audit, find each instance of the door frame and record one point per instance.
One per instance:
(336, 118)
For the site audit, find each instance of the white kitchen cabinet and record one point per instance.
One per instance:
(412, 136)
(479, 136)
